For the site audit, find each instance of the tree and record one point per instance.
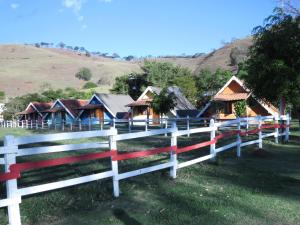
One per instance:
(84, 74)
(163, 102)
(2, 96)
(274, 64)
(61, 45)
(188, 86)
(89, 85)
(240, 108)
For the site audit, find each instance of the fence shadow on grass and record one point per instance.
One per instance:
(122, 215)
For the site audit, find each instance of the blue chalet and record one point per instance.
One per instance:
(66, 110)
(105, 107)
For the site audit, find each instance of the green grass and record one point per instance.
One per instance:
(256, 189)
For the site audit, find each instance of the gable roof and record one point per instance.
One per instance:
(38, 107)
(115, 104)
(69, 105)
(182, 103)
(238, 96)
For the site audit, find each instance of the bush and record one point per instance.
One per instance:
(84, 74)
(89, 85)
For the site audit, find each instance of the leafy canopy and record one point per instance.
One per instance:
(274, 59)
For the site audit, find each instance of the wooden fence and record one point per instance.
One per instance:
(261, 127)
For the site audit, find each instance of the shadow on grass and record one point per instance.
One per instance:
(122, 215)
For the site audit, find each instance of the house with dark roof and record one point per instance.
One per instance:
(66, 110)
(141, 108)
(221, 106)
(105, 107)
(34, 111)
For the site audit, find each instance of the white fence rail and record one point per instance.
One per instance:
(13, 148)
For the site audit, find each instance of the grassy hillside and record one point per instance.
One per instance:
(24, 69)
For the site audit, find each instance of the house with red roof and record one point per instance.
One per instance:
(221, 106)
(34, 111)
(66, 110)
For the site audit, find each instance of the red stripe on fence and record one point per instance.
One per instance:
(196, 146)
(16, 169)
(226, 134)
(140, 154)
(9, 176)
(60, 161)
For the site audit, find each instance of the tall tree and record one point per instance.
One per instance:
(274, 60)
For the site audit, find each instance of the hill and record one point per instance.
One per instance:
(24, 68)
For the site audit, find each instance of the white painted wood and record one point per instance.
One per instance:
(145, 170)
(173, 155)
(14, 216)
(64, 183)
(276, 129)
(268, 135)
(194, 161)
(196, 130)
(238, 139)
(225, 147)
(120, 137)
(287, 129)
(10, 201)
(212, 137)
(114, 164)
(259, 133)
(61, 148)
(188, 125)
(62, 136)
(249, 143)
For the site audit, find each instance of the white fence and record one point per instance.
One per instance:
(13, 149)
(95, 124)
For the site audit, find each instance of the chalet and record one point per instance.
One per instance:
(222, 104)
(64, 110)
(141, 108)
(105, 107)
(34, 111)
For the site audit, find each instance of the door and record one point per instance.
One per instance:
(99, 114)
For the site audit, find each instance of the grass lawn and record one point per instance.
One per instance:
(256, 189)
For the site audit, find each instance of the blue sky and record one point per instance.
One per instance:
(138, 27)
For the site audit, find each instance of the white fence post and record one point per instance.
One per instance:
(166, 126)
(114, 164)
(27, 124)
(79, 124)
(173, 155)
(212, 137)
(238, 146)
(259, 133)
(101, 123)
(114, 122)
(36, 125)
(11, 185)
(63, 125)
(276, 128)
(287, 129)
(31, 124)
(146, 125)
(188, 125)
(71, 126)
(129, 125)
(90, 124)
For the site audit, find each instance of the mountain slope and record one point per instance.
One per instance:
(23, 68)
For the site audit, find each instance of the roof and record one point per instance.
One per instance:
(27, 111)
(72, 105)
(41, 106)
(115, 103)
(182, 103)
(231, 97)
(140, 103)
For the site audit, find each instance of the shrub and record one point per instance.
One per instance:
(84, 74)
(89, 85)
